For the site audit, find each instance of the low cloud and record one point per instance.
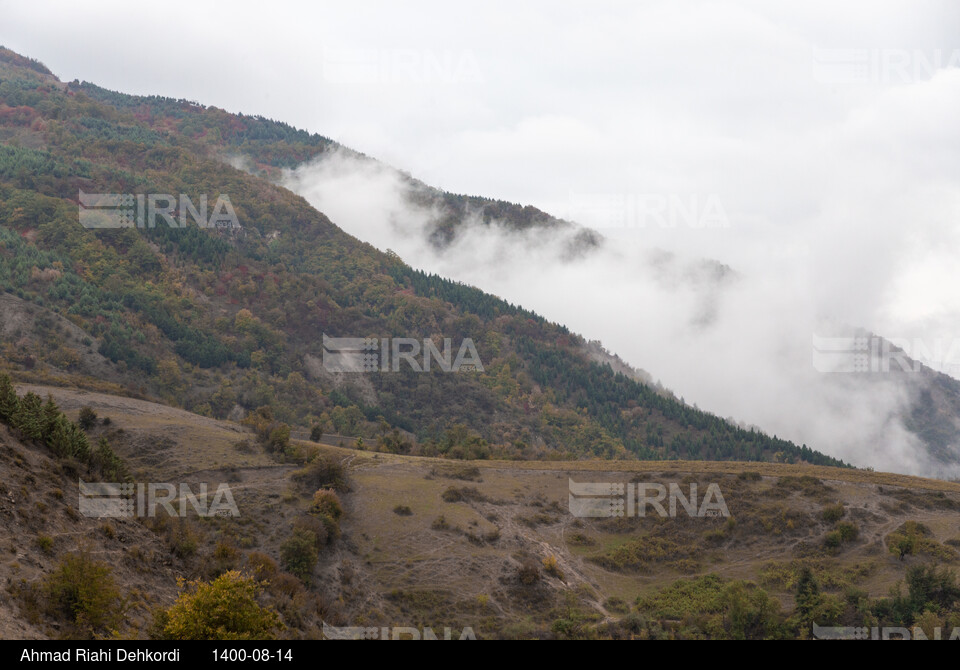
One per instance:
(734, 340)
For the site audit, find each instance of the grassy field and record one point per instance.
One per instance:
(706, 467)
(440, 543)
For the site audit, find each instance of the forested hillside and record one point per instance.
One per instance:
(229, 323)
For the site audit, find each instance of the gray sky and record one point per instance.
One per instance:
(522, 100)
(813, 146)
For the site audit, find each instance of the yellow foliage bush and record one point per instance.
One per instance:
(224, 609)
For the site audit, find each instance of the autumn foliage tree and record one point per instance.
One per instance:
(223, 609)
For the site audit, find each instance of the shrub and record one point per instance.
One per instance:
(224, 609)
(536, 520)
(848, 531)
(402, 510)
(529, 571)
(749, 613)
(551, 567)
(183, 540)
(639, 554)
(469, 473)
(318, 525)
(616, 605)
(225, 556)
(87, 418)
(331, 527)
(708, 596)
(279, 439)
(83, 591)
(326, 502)
(45, 543)
(451, 495)
(299, 554)
(244, 446)
(833, 513)
(322, 472)
(263, 566)
(454, 494)
(912, 537)
(287, 585)
(581, 540)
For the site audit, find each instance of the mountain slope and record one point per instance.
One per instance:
(933, 408)
(265, 147)
(226, 321)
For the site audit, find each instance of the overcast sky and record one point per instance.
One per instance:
(814, 147)
(528, 101)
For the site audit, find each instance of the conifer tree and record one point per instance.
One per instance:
(807, 595)
(9, 402)
(50, 415)
(28, 417)
(79, 445)
(59, 438)
(107, 461)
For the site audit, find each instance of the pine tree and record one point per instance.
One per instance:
(79, 445)
(49, 417)
(59, 437)
(9, 401)
(28, 417)
(807, 595)
(110, 465)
